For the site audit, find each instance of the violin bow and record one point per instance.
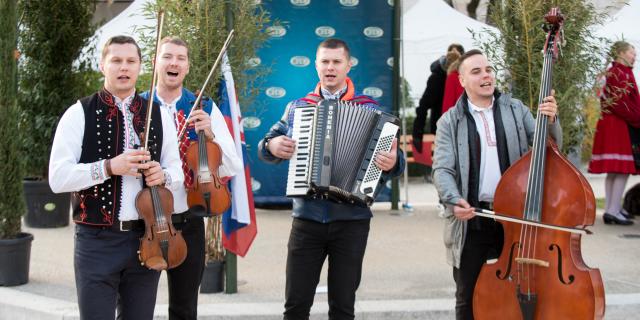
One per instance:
(206, 81)
(152, 91)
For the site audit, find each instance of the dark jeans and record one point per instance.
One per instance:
(479, 246)
(310, 243)
(108, 272)
(184, 280)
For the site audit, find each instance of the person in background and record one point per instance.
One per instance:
(612, 146)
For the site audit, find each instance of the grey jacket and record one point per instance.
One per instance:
(451, 159)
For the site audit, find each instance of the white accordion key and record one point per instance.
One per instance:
(372, 175)
(299, 164)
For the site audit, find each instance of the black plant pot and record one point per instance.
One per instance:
(45, 209)
(15, 255)
(213, 277)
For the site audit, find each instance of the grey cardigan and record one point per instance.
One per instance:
(451, 159)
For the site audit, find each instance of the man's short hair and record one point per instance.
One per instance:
(175, 40)
(456, 46)
(468, 54)
(120, 40)
(335, 43)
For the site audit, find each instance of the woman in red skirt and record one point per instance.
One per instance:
(612, 151)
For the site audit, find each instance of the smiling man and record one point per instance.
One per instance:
(176, 101)
(322, 227)
(476, 141)
(95, 155)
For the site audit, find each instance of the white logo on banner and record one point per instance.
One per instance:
(349, 3)
(374, 92)
(354, 61)
(390, 62)
(300, 3)
(250, 122)
(255, 185)
(325, 31)
(276, 92)
(373, 32)
(299, 61)
(276, 31)
(254, 62)
(257, 2)
(390, 2)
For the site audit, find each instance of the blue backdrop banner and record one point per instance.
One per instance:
(366, 26)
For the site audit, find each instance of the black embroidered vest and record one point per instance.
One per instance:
(104, 139)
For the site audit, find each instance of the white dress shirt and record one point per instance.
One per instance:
(489, 162)
(231, 163)
(67, 175)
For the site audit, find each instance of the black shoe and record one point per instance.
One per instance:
(627, 215)
(611, 219)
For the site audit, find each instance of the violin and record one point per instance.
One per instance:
(162, 247)
(540, 273)
(208, 193)
(208, 196)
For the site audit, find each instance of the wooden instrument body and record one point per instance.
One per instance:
(207, 183)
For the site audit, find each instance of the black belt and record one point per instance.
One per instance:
(138, 225)
(486, 205)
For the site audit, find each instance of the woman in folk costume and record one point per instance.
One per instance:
(612, 146)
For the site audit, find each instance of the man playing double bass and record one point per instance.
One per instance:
(95, 155)
(172, 67)
(476, 141)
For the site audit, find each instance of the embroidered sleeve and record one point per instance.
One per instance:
(98, 171)
(167, 178)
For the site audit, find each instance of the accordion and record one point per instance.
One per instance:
(337, 142)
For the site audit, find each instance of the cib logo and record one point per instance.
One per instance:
(390, 2)
(354, 61)
(254, 62)
(373, 32)
(250, 122)
(276, 31)
(300, 3)
(276, 92)
(349, 3)
(299, 61)
(374, 92)
(390, 62)
(325, 31)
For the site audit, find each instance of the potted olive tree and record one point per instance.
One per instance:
(15, 246)
(52, 76)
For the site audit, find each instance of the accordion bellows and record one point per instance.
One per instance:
(336, 144)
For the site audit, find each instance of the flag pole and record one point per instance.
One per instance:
(230, 259)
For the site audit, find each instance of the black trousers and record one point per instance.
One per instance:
(310, 242)
(108, 273)
(184, 280)
(479, 246)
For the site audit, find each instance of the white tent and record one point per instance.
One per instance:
(624, 25)
(129, 22)
(428, 28)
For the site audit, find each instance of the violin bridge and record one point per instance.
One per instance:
(536, 262)
(204, 176)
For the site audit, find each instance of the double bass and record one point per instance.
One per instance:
(540, 273)
(162, 247)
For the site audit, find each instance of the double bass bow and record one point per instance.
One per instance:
(208, 196)
(162, 246)
(540, 273)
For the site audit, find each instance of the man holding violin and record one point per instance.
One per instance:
(176, 101)
(96, 155)
(476, 141)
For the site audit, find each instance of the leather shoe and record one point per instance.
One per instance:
(627, 215)
(611, 219)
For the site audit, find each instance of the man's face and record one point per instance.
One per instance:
(120, 68)
(333, 66)
(629, 56)
(477, 77)
(173, 65)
